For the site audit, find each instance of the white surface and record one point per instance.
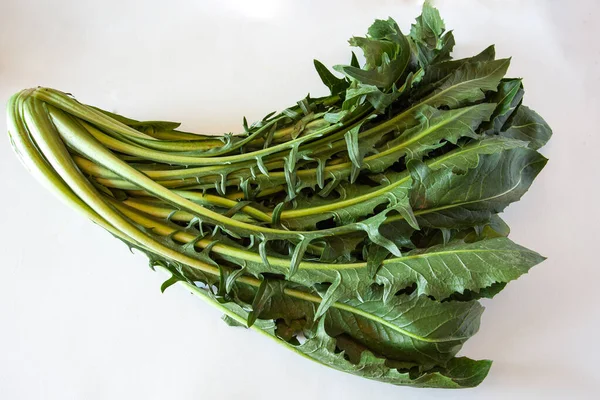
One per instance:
(82, 318)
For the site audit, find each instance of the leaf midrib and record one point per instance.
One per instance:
(368, 196)
(224, 249)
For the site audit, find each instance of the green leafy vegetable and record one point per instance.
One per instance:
(366, 222)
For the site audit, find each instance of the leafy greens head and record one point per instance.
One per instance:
(366, 221)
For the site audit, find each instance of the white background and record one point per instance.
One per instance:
(82, 318)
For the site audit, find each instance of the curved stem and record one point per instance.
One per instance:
(95, 117)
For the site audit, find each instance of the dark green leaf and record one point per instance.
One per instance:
(336, 85)
(508, 97)
(528, 126)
